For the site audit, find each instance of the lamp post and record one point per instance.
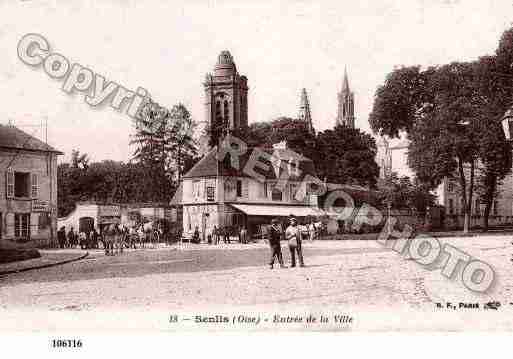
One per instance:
(507, 127)
(507, 123)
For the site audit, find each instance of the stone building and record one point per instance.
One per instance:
(226, 97)
(449, 195)
(89, 215)
(28, 206)
(217, 194)
(345, 110)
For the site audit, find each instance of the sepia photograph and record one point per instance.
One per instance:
(255, 166)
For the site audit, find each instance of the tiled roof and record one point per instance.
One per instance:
(13, 137)
(205, 167)
(210, 166)
(177, 197)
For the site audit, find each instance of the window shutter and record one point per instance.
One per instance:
(10, 183)
(245, 188)
(34, 193)
(34, 224)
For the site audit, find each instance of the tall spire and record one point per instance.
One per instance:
(345, 82)
(304, 111)
(345, 110)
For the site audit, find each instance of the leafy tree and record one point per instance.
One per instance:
(348, 156)
(401, 192)
(183, 150)
(79, 160)
(341, 155)
(294, 131)
(443, 118)
(164, 145)
(450, 114)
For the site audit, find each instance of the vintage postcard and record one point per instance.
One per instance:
(256, 166)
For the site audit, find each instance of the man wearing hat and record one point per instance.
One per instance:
(274, 241)
(293, 235)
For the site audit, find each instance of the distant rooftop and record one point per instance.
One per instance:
(14, 138)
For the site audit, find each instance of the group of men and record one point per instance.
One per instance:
(293, 236)
(222, 234)
(73, 239)
(129, 236)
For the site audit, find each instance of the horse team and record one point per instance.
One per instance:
(117, 237)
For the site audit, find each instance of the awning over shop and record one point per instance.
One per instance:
(278, 210)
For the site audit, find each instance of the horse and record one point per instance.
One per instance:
(113, 240)
(152, 233)
(132, 238)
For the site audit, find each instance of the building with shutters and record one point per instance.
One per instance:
(215, 193)
(28, 204)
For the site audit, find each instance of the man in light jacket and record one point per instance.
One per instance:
(293, 236)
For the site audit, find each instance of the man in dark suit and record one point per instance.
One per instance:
(274, 241)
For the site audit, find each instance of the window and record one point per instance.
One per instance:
(196, 189)
(277, 195)
(495, 209)
(293, 190)
(210, 193)
(218, 113)
(44, 220)
(297, 172)
(239, 188)
(10, 183)
(226, 113)
(264, 190)
(21, 184)
(450, 186)
(34, 186)
(451, 206)
(22, 225)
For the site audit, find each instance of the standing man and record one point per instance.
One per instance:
(71, 238)
(274, 241)
(293, 235)
(311, 231)
(226, 235)
(243, 235)
(216, 235)
(61, 236)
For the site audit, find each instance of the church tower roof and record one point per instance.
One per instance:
(345, 82)
(304, 110)
(345, 110)
(225, 65)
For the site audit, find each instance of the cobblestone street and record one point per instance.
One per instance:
(340, 275)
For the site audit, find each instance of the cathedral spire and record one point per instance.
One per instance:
(345, 82)
(345, 110)
(304, 111)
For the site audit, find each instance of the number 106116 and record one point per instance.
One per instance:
(66, 343)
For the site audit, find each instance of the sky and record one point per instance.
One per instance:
(281, 46)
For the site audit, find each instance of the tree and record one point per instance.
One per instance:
(450, 114)
(79, 160)
(401, 192)
(494, 150)
(164, 145)
(348, 156)
(438, 110)
(183, 150)
(294, 131)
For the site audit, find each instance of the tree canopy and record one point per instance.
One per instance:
(450, 114)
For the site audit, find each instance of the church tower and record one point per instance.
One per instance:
(345, 112)
(304, 111)
(226, 98)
